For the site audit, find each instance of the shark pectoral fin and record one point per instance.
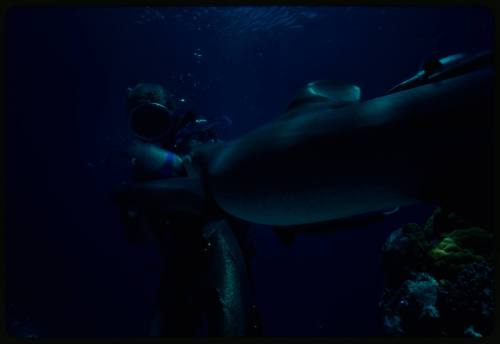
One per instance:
(287, 233)
(390, 211)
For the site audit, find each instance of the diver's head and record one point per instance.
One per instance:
(151, 112)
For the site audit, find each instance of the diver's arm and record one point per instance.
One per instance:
(132, 202)
(153, 159)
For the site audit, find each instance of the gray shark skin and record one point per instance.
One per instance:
(321, 162)
(429, 143)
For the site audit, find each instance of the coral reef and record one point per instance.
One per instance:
(439, 279)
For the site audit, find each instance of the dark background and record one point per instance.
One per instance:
(69, 271)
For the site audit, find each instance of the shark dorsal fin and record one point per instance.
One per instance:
(319, 93)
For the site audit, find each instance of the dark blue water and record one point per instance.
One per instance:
(69, 271)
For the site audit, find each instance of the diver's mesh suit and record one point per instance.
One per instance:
(206, 272)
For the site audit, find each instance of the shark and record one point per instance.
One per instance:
(332, 156)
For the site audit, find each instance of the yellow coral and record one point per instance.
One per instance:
(448, 249)
(459, 248)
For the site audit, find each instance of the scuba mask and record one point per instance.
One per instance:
(151, 121)
(150, 109)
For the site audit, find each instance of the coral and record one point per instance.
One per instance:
(460, 248)
(392, 325)
(423, 291)
(411, 309)
(468, 300)
(443, 221)
(404, 251)
(470, 332)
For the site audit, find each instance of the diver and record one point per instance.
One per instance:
(201, 287)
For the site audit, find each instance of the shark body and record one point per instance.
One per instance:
(432, 142)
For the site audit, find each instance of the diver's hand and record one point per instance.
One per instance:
(186, 160)
(191, 163)
(146, 155)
